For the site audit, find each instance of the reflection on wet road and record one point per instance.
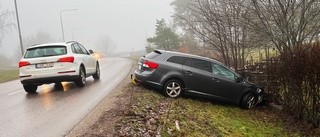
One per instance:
(56, 108)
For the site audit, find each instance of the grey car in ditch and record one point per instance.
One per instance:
(178, 73)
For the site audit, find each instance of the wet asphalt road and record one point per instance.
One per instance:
(54, 111)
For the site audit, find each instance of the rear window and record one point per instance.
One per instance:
(45, 51)
(152, 55)
(177, 59)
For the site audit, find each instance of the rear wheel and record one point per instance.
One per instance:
(248, 101)
(30, 88)
(173, 88)
(96, 76)
(81, 81)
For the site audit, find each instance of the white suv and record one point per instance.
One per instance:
(55, 63)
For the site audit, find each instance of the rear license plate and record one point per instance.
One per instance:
(44, 65)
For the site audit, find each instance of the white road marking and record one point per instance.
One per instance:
(14, 93)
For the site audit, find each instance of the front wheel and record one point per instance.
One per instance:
(248, 101)
(96, 76)
(30, 88)
(81, 81)
(173, 88)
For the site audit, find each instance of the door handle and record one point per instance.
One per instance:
(189, 73)
(215, 80)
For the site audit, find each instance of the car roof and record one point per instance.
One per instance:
(188, 55)
(51, 44)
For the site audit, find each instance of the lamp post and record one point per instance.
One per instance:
(20, 38)
(62, 22)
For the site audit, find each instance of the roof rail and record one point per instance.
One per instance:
(72, 42)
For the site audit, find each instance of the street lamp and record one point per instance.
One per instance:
(73, 30)
(61, 20)
(20, 38)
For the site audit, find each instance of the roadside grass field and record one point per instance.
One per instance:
(193, 116)
(257, 56)
(8, 75)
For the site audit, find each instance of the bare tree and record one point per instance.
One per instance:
(220, 25)
(39, 38)
(105, 44)
(287, 23)
(5, 24)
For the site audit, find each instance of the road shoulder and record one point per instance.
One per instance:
(109, 108)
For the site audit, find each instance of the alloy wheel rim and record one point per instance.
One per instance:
(173, 89)
(83, 77)
(251, 101)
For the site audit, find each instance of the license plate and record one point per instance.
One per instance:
(44, 65)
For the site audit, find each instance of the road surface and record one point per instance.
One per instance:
(54, 111)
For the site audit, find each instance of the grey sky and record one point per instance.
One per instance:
(127, 22)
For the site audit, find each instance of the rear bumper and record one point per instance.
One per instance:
(141, 78)
(48, 80)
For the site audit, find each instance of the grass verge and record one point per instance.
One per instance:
(151, 114)
(8, 75)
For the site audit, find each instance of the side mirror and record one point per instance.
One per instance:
(239, 79)
(91, 51)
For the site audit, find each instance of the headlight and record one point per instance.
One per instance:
(259, 90)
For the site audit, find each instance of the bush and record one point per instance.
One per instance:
(298, 75)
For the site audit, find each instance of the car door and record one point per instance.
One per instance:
(90, 59)
(197, 75)
(82, 57)
(223, 84)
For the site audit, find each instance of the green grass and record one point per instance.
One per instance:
(201, 117)
(256, 56)
(8, 75)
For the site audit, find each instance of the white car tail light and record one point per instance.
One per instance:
(23, 63)
(66, 59)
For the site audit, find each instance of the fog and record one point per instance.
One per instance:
(127, 22)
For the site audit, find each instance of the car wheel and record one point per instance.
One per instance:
(96, 76)
(81, 81)
(248, 101)
(173, 88)
(30, 88)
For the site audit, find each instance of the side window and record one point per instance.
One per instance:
(223, 71)
(84, 51)
(73, 49)
(177, 59)
(199, 64)
(77, 49)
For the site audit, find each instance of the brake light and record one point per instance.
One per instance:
(23, 63)
(151, 65)
(66, 59)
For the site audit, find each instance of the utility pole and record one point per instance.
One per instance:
(20, 38)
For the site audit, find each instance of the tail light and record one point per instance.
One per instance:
(66, 59)
(151, 65)
(23, 63)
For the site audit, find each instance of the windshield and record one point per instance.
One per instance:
(45, 51)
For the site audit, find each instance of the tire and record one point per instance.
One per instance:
(173, 88)
(81, 81)
(248, 101)
(96, 76)
(30, 88)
